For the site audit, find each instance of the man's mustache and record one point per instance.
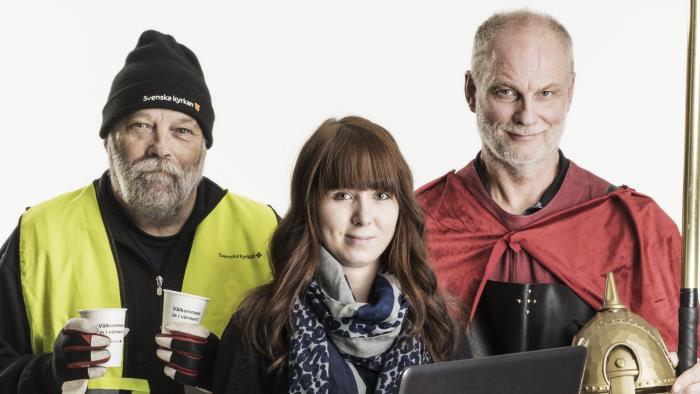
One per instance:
(519, 130)
(153, 164)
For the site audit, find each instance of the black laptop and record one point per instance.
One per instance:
(558, 370)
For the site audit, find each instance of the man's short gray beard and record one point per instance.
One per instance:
(490, 132)
(153, 189)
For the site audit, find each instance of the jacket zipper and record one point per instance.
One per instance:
(159, 294)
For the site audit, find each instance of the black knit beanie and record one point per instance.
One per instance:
(159, 73)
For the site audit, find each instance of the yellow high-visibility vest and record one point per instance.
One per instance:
(66, 264)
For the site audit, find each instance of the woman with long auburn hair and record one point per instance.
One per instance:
(353, 301)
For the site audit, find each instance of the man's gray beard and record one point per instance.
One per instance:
(490, 133)
(153, 189)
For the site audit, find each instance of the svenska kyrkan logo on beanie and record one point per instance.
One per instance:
(172, 98)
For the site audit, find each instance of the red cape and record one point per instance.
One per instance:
(623, 232)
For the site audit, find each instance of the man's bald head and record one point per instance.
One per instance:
(519, 20)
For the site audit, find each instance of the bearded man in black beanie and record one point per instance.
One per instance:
(148, 224)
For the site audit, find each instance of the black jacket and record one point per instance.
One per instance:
(24, 372)
(241, 369)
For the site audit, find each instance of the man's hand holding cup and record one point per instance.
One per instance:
(189, 352)
(188, 348)
(78, 352)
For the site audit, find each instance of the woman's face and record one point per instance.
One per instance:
(357, 225)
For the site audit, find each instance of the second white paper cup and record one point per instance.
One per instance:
(110, 322)
(182, 307)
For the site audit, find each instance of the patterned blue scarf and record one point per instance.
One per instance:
(370, 335)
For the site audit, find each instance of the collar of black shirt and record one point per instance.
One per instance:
(548, 194)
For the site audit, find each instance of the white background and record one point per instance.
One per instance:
(277, 69)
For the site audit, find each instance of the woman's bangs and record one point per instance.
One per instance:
(360, 164)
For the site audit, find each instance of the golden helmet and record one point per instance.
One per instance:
(625, 353)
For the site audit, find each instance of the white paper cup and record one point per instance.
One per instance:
(182, 308)
(110, 322)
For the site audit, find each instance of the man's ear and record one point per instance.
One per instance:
(470, 90)
(571, 87)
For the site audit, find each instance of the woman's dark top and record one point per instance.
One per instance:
(241, 369)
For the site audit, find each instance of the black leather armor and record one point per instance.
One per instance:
(515, 317)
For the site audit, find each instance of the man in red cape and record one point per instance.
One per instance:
(576, 239)
(522, 235)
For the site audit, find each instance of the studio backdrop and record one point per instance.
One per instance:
(277, 69)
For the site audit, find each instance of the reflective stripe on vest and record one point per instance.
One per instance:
(66, 264)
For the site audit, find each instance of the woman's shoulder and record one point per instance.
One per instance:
(233, 343)
(242, 369)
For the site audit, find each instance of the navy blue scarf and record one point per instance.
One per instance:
(332, 333)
